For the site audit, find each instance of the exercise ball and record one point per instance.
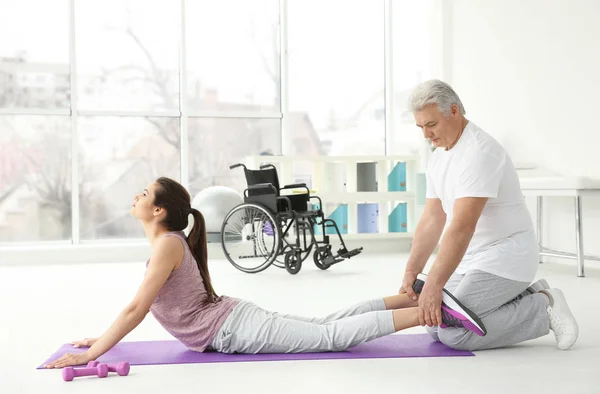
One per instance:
(215, 202)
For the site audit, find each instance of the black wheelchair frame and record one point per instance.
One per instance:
(265, 211)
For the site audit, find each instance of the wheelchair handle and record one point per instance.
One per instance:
(231, 167)
(295, 185)
(262, 167)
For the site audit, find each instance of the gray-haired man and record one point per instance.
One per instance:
(488, 255)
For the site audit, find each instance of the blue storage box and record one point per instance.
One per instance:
(397, 178)
(339, 216)
(397, 221)
(367, 218)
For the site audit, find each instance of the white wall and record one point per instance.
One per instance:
(528, 72)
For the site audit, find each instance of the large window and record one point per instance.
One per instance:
(34, 54)
(336, 76)
(413, 62)
(98, 99)
(35, 178)
(119, 157)
(233, 55)
(217, 143)
(128, 54)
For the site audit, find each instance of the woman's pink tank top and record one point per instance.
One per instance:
(181, 305)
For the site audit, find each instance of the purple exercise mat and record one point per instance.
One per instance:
(174, 352)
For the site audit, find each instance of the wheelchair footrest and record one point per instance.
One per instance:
(331, 260)
(346, 254)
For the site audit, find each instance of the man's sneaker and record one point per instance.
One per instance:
(562, 321)
(452, 318)
(537, 286)
(454, 314)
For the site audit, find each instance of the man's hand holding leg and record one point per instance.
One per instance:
(427, 235)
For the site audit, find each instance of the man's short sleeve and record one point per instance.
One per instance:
(480, 175)
(429, 189)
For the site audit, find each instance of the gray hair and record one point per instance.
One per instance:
(437, 92)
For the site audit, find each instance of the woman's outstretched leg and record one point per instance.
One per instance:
(398, 301)
(251, 329)
(373, 305)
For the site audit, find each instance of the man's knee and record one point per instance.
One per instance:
(456, 338)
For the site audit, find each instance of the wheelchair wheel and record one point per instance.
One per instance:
(293, 262)
(280, 259)
(318, 258)
(250, 238)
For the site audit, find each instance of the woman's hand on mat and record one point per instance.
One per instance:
(87, 342)
(430, 306)
(407, 284)
(70, 359)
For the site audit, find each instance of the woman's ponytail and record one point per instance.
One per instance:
(197, 243)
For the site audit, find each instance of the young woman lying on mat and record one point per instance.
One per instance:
(177, 289)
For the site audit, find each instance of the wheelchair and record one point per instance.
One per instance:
(269, 228)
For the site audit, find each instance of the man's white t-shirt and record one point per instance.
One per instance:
(504, 242)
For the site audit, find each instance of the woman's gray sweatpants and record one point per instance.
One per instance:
(251, 329)
(509, 312)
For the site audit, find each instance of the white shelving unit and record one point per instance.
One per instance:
(318, 168)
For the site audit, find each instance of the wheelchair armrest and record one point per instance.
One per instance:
(289, 202)
(260, 186)
(320, 202)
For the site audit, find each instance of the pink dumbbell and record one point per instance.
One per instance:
(69, 372)
(121, 368)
